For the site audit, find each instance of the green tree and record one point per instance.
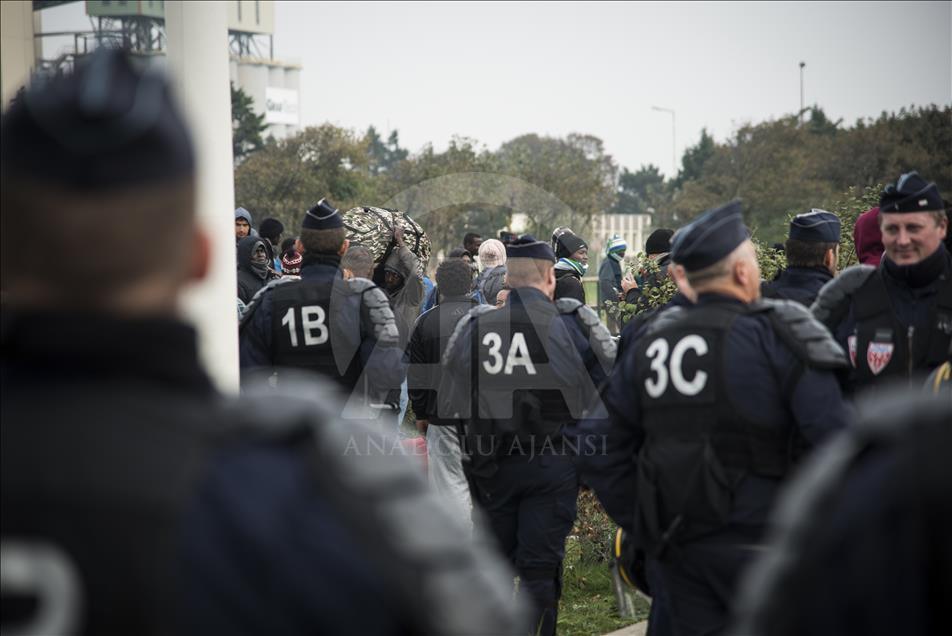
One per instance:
(692, 163)
(246, 126)
(446, 223)
(641, 191)
(287, 177)
(383, 156)
(575, 170)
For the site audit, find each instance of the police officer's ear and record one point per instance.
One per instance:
(550, 282)
(831, 259)
(745, 270)
(343, 247)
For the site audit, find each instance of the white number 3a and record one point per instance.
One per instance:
(518, 354)
(658, 353)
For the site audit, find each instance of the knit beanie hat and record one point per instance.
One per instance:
(291, 262)
(567, 244)
(659, 241)
(616, 248)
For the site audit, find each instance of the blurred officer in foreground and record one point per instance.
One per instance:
(861, 542)
(340, 328)
(812, 249)
(895, 320)
(516, 376)
(137, 500)
(704, 417)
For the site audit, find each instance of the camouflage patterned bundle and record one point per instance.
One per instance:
(373, 228)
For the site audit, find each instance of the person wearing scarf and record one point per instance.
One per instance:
(572, 254)
(253, 270)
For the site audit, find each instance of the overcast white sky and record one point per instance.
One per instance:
(492, 71)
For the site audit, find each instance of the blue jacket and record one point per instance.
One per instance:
(801, 284)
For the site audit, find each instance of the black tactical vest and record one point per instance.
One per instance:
(882, 347)
(518, 399)
(697, 447)
(317, 325)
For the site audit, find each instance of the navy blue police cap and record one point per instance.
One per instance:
(322, 216)
(526, 246)
(815, 226)
(911, 193)
(710, 237)
(107, 125)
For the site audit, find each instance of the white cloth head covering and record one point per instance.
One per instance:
(492, 253)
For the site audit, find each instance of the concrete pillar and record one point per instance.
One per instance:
(198, 65)
(16, 47)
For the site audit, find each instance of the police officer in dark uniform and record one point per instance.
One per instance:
(341, 329)
(812, 250)
(895, 320)
(135, 498)
(705, 416)
(516, 376)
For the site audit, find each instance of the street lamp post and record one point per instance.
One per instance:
(674, 161)
(802, 64)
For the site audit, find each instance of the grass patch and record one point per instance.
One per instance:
(588, 600)
(588, 603)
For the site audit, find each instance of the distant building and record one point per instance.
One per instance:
(634, 228)
(139, 26)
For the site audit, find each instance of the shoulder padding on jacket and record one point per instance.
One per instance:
(664, 318)
(599, 337)
(809, 339)
(471, 315)
(378, 308)
(832, 301)
(255, 301)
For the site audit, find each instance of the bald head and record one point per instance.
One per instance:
(736, 275)
(537, 273)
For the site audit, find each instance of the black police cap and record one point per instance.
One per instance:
(816, 226)
(911, 193)
(106, 125)
(526, 246)
(709, 238)
(322, 216)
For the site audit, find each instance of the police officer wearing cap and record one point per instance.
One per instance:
(704, 417)
(895, 320)
(516, 376)
(341, 329)
(812, 250)
(135, 498)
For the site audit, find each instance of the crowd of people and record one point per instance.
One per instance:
(727, 433)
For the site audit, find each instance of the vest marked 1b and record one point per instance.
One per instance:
(321, 326)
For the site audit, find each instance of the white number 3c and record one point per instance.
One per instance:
(658, 352)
